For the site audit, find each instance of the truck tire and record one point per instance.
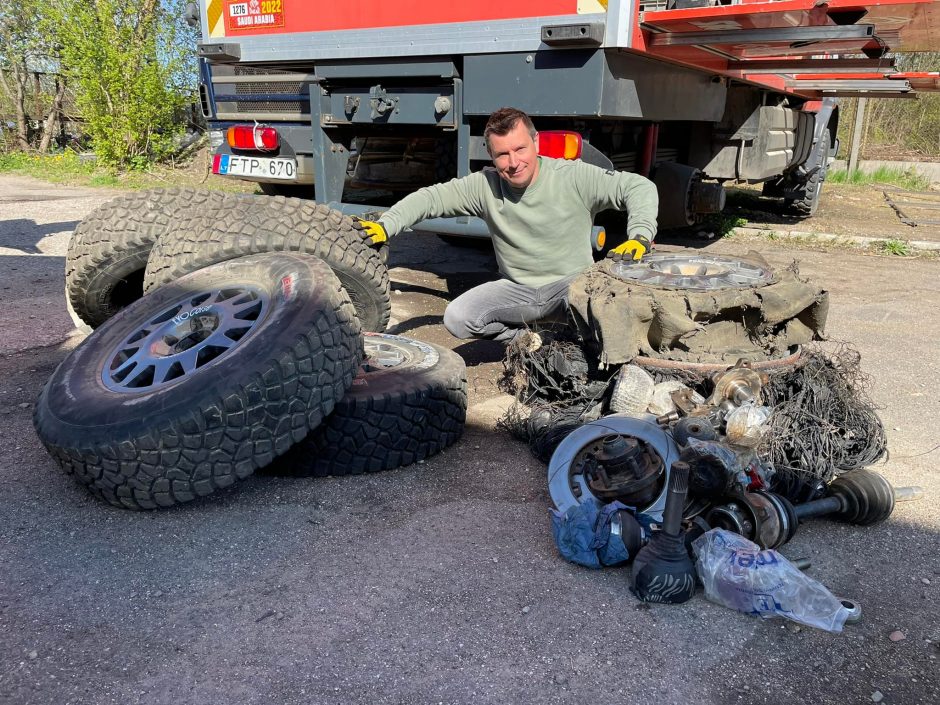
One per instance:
(107, 255)
(408, 402)
(808, 203)
(264, 348)
(287, 225)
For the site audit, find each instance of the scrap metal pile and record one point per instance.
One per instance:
(648, 456)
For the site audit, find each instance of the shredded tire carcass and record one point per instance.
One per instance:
(621, 318)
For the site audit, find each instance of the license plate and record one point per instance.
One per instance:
(262, 167)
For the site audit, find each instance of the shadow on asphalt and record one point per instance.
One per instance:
(481, 352)
(24, 235)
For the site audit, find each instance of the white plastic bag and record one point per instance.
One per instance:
(746, 425)
(737, 574)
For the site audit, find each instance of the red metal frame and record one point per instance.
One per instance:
(899, 25)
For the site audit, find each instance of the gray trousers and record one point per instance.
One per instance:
(501, 309)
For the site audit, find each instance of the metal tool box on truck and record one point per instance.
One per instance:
(686, 93)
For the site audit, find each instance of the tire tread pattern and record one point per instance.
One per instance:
(114, 241)
(220, 439)
(277, 224)
(367, 434)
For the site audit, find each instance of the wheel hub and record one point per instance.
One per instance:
(569, 478)
(382, 356)
(701, 272)
(184, 338)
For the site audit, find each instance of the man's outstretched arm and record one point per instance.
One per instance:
(452, 198)
(604, 189)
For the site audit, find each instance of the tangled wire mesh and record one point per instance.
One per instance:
(556, 390)
(823, 422)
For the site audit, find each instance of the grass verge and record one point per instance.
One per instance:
(908, 179)
(70, 168)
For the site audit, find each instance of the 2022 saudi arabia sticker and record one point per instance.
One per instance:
(254, 14)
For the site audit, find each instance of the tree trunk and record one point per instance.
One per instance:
(37, 94)
(52, 120)
(20, 77)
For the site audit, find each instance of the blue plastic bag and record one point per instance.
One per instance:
(583, 535)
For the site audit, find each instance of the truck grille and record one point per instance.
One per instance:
(254, 93)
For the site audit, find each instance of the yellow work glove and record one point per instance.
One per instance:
(373, 232)
(630, 251)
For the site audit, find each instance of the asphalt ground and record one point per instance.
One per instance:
(437, 583)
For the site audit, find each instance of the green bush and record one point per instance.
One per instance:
(129, 64)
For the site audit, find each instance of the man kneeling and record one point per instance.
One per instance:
(540, 212)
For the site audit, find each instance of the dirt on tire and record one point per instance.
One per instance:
(278, 225)
(621, 319)
(391, 416)
(142, 440)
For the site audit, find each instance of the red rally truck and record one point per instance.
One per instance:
(356, 103)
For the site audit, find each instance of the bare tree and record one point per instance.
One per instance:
(22, 47)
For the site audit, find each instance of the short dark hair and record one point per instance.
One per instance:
(503, 121)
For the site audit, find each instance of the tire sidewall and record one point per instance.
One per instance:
(82, 401)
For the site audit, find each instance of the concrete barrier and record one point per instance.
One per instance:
(929, 169)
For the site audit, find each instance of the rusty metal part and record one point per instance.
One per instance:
(667, 418)
(624, 469)
(707, 368)
(738, 385)
(567, 482)
(733, 516)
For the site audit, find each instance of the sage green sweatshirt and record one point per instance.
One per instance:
(541, 233)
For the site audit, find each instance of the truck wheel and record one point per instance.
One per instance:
(198, 384)
(408, 402)
(808, 203)
(107, 255)
(288, 225)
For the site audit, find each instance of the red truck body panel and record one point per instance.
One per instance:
(279, 16)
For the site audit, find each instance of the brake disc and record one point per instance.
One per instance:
(693, 271)
(567, 483)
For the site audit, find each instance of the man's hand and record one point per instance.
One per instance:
(632, 250)
(373, 232)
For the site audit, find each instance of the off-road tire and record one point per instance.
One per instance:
(283, 225)
(389, 418)
(182, 438)
(808, 204)
(107, 255)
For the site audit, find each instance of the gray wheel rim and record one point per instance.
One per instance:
(562, 478)
(385, 351)
(691, 271)
(185, 338)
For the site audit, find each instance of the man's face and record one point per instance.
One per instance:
(515, 155)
